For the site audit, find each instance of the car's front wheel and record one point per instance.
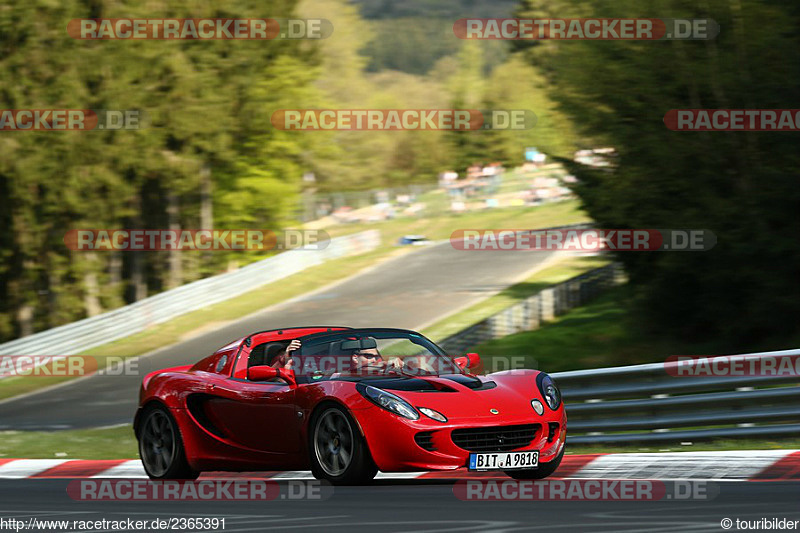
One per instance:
(339, 453)
(544, 470)
(161, 447)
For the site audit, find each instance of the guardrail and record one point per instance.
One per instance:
(76, 337)
(531, 312)
(660, 403)
(650, 403)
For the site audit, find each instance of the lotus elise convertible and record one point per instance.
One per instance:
(346, 403)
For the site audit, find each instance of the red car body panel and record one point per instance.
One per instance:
(229, 423)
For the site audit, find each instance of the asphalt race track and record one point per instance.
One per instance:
(430, 506)
(410, 291)
(406, 292)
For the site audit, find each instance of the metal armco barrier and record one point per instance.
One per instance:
(528, 314)
(657, 403)
(73, 338)
(76, 337)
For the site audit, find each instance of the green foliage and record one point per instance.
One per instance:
(199, 98)
(517, 85)
(208, 154)
(741, 186)
(357, 160)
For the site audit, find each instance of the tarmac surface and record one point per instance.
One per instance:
(418, 505)
(409, 291)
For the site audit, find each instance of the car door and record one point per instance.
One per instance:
(257, 415)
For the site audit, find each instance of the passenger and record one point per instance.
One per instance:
(284, 360)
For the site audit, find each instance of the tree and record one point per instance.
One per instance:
(198, 140)
(741, 186)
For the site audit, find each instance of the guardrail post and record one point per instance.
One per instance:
(533, 312)
(548, 304)
(575, 293)
(529, 314)
(519, 313)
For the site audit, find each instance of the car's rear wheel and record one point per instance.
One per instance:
(544, 470)
(161, 447)
(339, 453)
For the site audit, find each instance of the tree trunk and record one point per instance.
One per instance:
(115, 272)
(175, 274)
(91, 288)
(138, 281)
(206, 201)
(25, 319)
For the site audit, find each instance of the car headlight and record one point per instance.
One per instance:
(390, 402)
(431, 413)
(549, 391)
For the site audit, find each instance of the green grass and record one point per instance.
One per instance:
(119, 443)
(601, 333)
(565, 268)
(105, 443)
(598, 334)
(436, 201)
(521, 181)
(442, 226)
(212, 316)
(310, 279)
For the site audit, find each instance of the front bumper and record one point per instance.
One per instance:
(394, 449)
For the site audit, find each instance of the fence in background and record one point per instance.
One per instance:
(79, 336)
(312, 206)
(653, 403)
(650, 403)
(530, 313)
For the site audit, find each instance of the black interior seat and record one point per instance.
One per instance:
(263, 354)
(273, 350)
(257, 355)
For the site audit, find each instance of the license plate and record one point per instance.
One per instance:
(503, 460)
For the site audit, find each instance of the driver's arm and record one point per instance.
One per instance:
(284, 359)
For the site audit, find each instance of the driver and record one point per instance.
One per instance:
(371, 357)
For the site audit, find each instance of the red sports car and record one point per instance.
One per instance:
(346, 403)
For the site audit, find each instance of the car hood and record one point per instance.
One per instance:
(465, 396)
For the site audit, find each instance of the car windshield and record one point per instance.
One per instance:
(356, 354)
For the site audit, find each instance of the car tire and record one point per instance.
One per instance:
(544, 470)
(161, 446)
(337, 451)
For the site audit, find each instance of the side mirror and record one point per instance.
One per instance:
(266, 373)
(470, 361)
